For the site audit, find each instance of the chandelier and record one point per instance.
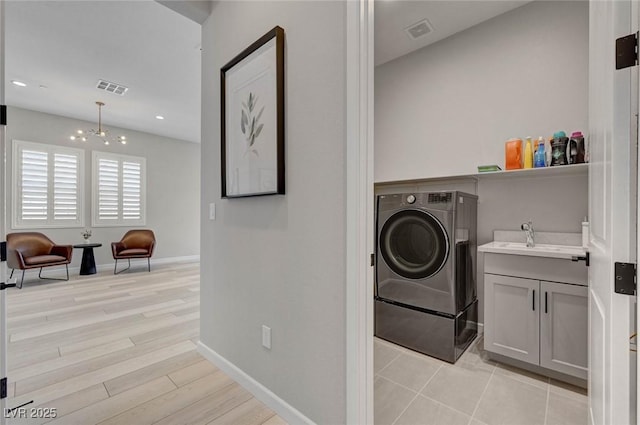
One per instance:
(83, 135)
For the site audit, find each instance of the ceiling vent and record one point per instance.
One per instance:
(419, 29)
(114, 88)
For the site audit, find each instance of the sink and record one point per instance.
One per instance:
(521, 245)
(539, 250)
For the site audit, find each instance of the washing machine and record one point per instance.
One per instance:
(426, 294)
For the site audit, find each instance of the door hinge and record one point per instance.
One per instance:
(372, 261)
(625, 278)
(627, 51)
(3, 388)
(3, 251)
(586, 258)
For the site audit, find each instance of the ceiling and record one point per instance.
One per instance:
(60, 49)
(446, 18)
(66, 46)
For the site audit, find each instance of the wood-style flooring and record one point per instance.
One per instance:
(107, 349)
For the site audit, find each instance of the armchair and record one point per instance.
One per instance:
(30, 250)
(134, 244)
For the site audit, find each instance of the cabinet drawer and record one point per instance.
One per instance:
(538, 268)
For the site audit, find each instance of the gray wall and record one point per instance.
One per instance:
(173, 183)
(280, 260)
(445, 109)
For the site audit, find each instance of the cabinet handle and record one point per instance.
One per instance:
(546, 309)
(533, 300)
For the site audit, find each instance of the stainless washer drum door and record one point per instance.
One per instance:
(414, 244)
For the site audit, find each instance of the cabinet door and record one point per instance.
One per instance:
(564, 328)
(511, 320)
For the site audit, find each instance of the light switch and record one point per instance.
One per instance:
(266, 337)
(212, 211)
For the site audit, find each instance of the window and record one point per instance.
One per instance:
(47, 189)
(118, 190)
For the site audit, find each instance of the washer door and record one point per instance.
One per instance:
(414, 244)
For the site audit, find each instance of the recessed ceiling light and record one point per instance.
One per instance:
(159, 117)
(19, 83)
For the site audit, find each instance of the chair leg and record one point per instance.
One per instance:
(123, 270)
(149, 263)
(22, 280)
(115, 266)
(12, 270)
(55, 278)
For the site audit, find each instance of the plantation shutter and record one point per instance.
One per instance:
(119, 190)
(34, 185)
(131, 190)
(108, 189)
(48, 185)
(65, 187)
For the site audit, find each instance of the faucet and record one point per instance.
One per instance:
(528, 228)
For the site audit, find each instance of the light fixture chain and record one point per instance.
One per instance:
(100, 133)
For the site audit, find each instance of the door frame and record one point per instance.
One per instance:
(3, 216)
(359, 212)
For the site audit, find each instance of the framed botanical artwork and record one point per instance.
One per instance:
(252, 96)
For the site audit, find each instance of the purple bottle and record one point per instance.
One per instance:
(576, 148)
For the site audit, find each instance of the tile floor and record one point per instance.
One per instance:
(414, 389)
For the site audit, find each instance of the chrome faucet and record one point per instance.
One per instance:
(528, 228)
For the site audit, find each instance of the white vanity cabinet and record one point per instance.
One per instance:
(564, 328)
(511, 320)
(536, 311)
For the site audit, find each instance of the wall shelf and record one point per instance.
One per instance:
(564, 170)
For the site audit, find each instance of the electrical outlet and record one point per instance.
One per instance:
(212, 211)
(266, 337)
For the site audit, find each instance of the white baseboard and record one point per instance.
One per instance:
(287, 412)
(154, 261)
(58, 271)
(168, 260)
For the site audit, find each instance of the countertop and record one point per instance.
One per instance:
(552, 245)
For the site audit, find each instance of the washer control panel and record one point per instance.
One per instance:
(411, 199)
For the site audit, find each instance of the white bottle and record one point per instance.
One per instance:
(585, 233)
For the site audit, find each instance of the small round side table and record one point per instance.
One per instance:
(88, 265)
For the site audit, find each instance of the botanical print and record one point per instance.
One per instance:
(250, 123)
(252, 139)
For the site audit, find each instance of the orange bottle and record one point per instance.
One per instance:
(513, 154)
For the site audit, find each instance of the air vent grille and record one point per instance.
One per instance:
(439, 198)
(110, 87)
(419, 29)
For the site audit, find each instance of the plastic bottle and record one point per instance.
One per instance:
(547, 152)
(577, 148)
(539, 157)
(513, 154)
(559, 149)
(528, 154)
(585, 233)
